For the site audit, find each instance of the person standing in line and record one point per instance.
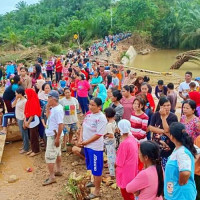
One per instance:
(26, 81)
(54, 133)
(179, 181)
(126, 159)
(172, 96)
(91, 138)
(149, 183)
(70, 106)
(19, 104)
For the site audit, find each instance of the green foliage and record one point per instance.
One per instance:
(55, 48)
(169, 24)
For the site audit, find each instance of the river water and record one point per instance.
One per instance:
(162, 60)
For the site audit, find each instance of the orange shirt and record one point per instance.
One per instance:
(197, 164)
(119, 76)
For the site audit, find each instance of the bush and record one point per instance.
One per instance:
(55, 48)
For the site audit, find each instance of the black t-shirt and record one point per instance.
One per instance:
(9, 94)
(157, 122)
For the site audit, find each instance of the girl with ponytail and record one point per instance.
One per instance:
(179, 172)
(149, 183)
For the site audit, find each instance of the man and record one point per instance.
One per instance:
(103, 73)
(54, 133)
(184, 87)
(25, 79)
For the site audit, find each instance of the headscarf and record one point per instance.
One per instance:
(40, 83)
(102, 92)
(32, 106)
(124, 126)
(129, 80)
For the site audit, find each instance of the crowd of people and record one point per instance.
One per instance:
(151, 155)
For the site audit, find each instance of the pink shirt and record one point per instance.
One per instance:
(127, 161)
(83, 87)
(128, 107)
(147, 183)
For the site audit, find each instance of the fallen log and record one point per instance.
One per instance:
(193, 55)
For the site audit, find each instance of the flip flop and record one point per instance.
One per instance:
(92, 196)
(90, 184)
(33, 154)
(49, 182)
(2, 133)
(28, 153)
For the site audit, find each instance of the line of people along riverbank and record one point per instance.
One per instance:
(120, 117)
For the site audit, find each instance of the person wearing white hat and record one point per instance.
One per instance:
(127, 158)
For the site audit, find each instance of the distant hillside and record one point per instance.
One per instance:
(169, 24)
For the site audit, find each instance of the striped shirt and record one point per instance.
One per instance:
(139, 125)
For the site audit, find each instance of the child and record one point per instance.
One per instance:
(172, 96)
(115, 80)
(160, 89)
(54, 85)
(139, 120)
(126, 159)
(195, 96)
(149, 183)
(70, 106)
(62, 85)
(109, 140)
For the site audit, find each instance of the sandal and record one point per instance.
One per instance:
(92, 196)
(49, 181)
(22, 151)
(90, 184)
(33, 154)
(58, 174)
(2, 133)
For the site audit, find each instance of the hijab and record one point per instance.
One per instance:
(32, 106)
(102, 92)
(129, 80)
(124, 126)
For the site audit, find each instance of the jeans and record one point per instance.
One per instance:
(83, 101)
(6, 117)
(50, 74)
(58, 76)
(24, 133)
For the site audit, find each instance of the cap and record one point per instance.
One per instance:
(54, 94)
(197, 79)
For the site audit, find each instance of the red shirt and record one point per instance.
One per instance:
(151, 101)
(72, 85)
(58, 66)
(195, 96)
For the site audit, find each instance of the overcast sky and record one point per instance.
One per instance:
(9, 5)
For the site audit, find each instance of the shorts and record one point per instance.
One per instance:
(94, 161)
(52, 152)
(70, 128)
(82, 152)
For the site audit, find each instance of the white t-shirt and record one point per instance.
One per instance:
(70, 106)
(55, 118)
(94, 124)
(185, 88)
(43, 69)
(110, 128)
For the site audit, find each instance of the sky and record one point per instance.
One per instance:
(9, 5)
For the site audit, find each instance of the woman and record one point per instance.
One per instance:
(58, 70)
(127, 158)
(32, 121)
(190, 119)
(96, 79)
(179, 181)
(149, 183)
(159, 125)
(37, 74)
(137, 84)
(92, 136)
(139, 120)
(130, 79)
(19, 104)
(82, 92)
(127, 101)
(144, 90)
(108, 99)
(101, 92)
(49, 69)
(43, 94)
(116, 97)
(108, 81)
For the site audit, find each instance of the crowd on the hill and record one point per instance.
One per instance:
(149, 152)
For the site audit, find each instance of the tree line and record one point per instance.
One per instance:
(169, 23)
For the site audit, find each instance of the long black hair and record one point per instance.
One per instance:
(161, 102)
(109, 81)
(192, 105)
(129, 88)
(151, 149)
(38, 71)
(177, 130)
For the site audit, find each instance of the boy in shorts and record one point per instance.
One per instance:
(70, 105)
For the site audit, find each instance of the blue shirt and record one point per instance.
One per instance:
(180, 160)
(62, 84)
